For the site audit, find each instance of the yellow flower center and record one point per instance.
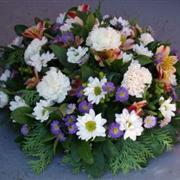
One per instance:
(97, 90)
(90, 126)
(115, 130)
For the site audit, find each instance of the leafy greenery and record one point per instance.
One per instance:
(19, 29)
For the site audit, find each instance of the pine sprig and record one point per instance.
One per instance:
(35, 147)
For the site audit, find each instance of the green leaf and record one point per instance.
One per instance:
(86, 72)
(20, 115)
(19, 29)
(90, 21)
(116, 65)
(178, 68)
(143, 60)
(74, 152)
(85, 153)
(55, 146)
(110, 149)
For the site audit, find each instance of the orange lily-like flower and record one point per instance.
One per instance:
(35, 31)
(138, 107)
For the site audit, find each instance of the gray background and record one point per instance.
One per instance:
(162, 15)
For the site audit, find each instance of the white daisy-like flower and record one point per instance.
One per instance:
(60, 18)
(90, 126)
(77, 56)
(40, 111)
(5, 75)
(142, 50)
(146, 38)
(131, 123)
(127, 57)
(17, 103)
(3, 99)
(167, 108)
(136, 79)
(33, 49)
(54, 86)
(102, 38)
(94, 90)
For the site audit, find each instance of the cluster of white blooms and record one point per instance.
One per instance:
(3, 99)
(17, 103)
(136, 79)
(142, 50)
(146, 38)
(94, 90)
(77, 55)
(54, 86)
(131, 123)
(90, 126)
(102, 38)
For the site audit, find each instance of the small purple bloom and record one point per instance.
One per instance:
(150, 122)
(60, 137)
(66, 37)
(72, 129)
(69, 120)
(79, 92)
(55, 127)
(114, 130)
(84, 106)
(24, 130)
(108, 87)
(122, 94)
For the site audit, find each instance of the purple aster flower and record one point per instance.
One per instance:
(55, 127)
(72, 129)
(122, 94)
(24, 130)
(84, 106)
(108, 87)
(60, 136)
(114, 130)
(69, 120)
(150, 122)
(66, 37)
(79, 92)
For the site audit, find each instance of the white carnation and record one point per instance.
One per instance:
(3, 99)
(142, 50)
(17, 103)
(54, 86)
(77, 56)
(146, 38)
(137, 79)
(103, 38)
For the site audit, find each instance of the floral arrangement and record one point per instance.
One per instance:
(98, 89)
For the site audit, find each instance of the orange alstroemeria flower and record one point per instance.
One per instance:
(35, 31)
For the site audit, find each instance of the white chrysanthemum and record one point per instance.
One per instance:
(3, 99)
(34, 48)
(94, 90)
(77, 56)
(60, 18)
(17, 103)
(146, 38)
(127, 57)
(131, 123)
(167, 108)
(141, 50)
(90, 126)
(103, 38)
(40, 111)
(5, 75)
(54, 86)
(136, 79)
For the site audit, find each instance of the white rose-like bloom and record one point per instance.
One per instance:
(103, 38)
(146, 38)
(54, 86)
(94, 90)
(17, 103)
(77, 56)
(34, 48)
(40, 112)
(167, 108)
(136, 79)
(5, 75)
(141, 50)
(131, 123)
(3, 99)
(90, 126)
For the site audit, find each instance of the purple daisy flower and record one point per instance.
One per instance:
(84, 106)
(72, 129)
(79, 92)
(122, 94)
(108, 87)
(55, 127)
(69, 120)
(114, 130)
(150, 122)
(65, 38)
(24, 130)
(60, 136)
